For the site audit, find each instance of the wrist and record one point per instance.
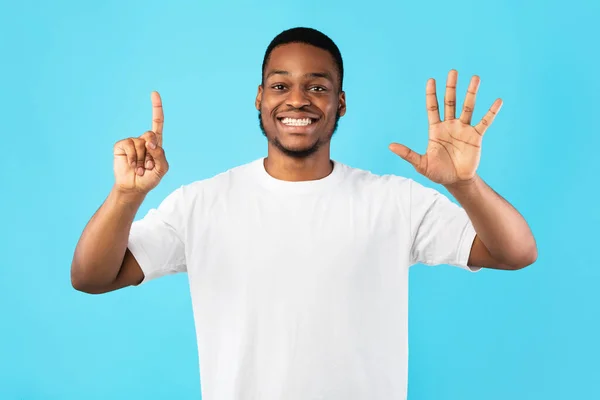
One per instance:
(127, 197)
(463, 185)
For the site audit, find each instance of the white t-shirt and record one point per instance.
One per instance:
(299, 289)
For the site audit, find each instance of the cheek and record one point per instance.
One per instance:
(267, 107)
(331, 109)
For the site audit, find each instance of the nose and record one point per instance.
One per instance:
(297, 98)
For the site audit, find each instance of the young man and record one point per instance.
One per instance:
(298, 265)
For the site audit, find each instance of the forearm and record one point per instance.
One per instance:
(500, 227)
(100, 251)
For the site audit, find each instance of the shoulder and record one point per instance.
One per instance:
(218, 183)
(367, 180)
(403, 191)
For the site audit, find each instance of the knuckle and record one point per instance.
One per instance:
(122, 142)
(149, 135)
(139, 144)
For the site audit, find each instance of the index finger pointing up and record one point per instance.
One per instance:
(158, 117)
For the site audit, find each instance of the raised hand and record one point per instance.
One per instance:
(454, 147)
(140, 163)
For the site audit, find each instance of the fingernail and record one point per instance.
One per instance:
(149, 164)
(152, 145)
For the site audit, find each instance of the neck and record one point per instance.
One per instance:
(286, 168)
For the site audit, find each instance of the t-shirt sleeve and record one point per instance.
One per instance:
(156, 240)
(441, 230)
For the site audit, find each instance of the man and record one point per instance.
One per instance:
(298, 264)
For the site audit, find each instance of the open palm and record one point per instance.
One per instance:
(454, 146)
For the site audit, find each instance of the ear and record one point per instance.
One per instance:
(342, 104)
(258, 97)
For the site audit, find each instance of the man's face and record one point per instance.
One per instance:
(300, 100)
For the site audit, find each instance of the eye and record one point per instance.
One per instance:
(277, 87)
(318, 89)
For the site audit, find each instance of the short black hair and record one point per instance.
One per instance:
(308, 36)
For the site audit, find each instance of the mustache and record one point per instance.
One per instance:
(294, 109)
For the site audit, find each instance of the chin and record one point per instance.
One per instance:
(296, 145)
(296, 150)
(296, 141)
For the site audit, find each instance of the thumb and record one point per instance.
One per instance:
(407, 154)
(161, 166)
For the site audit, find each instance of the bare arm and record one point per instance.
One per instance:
(504, 239)
(101, 262)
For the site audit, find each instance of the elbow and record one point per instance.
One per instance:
(79, 281)
(533, 255)
(525, 259)
(77, 274)
(79, 286)
(84, 287)
(83, 281)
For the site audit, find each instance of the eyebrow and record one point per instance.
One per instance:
(325, 75)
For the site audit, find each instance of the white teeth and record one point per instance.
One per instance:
(296, 121)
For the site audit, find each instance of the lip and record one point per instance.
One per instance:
(297, 129)
(296, 114)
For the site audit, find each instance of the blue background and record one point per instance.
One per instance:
(76, 77)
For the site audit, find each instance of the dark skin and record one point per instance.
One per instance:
(300, 81)
(300, 102)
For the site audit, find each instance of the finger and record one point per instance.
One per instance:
(487, 120)
(149, 161)
(126, 148)
(161, 166)
(407, 154)
(150, 136)
(450, 96)
(469, 104)
(158, 117)
(433, 113)
(140, 148)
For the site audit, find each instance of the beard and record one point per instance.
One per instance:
(299, 153)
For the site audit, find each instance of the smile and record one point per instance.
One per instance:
(296, 121)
